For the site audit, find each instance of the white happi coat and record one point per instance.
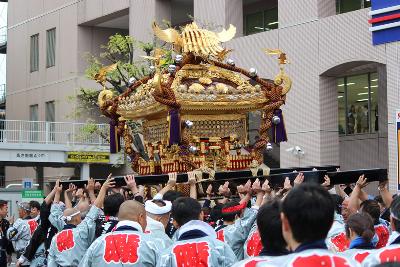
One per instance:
(253, 246)
(382, 234)
(20, 235)
(68, 246)
(390, 253)
(55, 218)
(202, 251)
(235, 235)
(336, 239)
(157, 230)
(358, 255)
(126, 246)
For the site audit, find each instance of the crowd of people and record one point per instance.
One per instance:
(298, 224)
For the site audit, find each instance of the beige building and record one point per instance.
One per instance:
(341, 108)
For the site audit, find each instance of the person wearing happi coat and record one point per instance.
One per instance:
(197, 243)
(127, 245)
(69, 245)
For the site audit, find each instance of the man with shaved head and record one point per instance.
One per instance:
(127, 245)
(68, 246)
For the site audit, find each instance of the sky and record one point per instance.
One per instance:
(3, 24)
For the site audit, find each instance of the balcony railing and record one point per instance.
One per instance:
(60, 133)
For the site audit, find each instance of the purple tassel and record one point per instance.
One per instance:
(174, 127)
(279, 131)
(114, 138)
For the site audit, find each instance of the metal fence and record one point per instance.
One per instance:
(43, 132)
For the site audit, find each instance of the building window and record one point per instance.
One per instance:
(358, 104)
(343, 6)
(50, 117)
(261, 21)
(50, 111)
(51, 48)
(34, 127)
(35, 52)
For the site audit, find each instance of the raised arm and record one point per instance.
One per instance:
(67, 200)
(385, 194)
(170, 185)
(354, 200)
(192, 184)
(49, 198)
(90, 189)
(256, 187)
(56, 211)
(88, 225)
(224, 191)
(244, 192)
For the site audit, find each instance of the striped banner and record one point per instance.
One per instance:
(385, 21)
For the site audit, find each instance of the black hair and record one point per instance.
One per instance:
(230, 216)
(171, 195)
(2, 203)
(270, 226)
(112, 204)
(395, 210)
(338, 200)
(34, 204)
(216, 213)
(309, 208)
(185, 209)
(372, 208)
(362, 224)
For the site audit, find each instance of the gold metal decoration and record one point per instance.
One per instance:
(214, 96)
(192, 39)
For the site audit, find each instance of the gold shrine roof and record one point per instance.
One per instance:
(203, 88)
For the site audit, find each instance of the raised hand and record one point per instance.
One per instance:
(172, 179)
(256, 186)
(57, 186)
(299, 179)
(286, 184)
(109, 183)
(327, 181)
(71, 188)
(224, 190)
(79, 193)
(131, 182)
(362, 181)
(265, 186)
(191, 178)
(90, 185)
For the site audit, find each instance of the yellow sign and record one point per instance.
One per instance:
(88, 157)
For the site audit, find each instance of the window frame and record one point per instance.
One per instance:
(34, 53)
(263, 12)
(48, 63)
(345, 81)
(363, 4)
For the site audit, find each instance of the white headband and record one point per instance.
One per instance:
(153, 208)
(69, 217)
